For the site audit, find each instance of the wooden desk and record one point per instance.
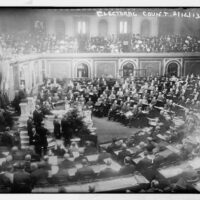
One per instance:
(162, 137)
(166, 153)
(92, 158)
(137, 160)
(95, 168)
(172, 171)
(132, 151)
(173, 149)
(117, 152)
(106, 185)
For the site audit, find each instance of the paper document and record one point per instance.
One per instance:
(92, 158)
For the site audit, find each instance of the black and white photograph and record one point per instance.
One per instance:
(100, 100)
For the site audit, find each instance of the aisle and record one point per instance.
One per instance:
(106, 130)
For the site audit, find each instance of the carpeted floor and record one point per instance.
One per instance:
(106, 130)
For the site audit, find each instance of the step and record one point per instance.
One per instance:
(24, 137)
(24, 142)
(24, 146)
(23, 132)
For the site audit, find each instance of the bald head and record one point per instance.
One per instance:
(34, 166)
(28, 157)
(66, 156)
(124, 146)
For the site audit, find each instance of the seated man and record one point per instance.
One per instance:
(128, 167)
(45, 163)
(7, 139)
(39, 174)
(85, 172)
(159, 159)
(108, 171)
(9, 160)
(145, 166)
(145, 162)
(155, 187)
(59, 150)
(123, 153)
(61, 177)
(66, 163)
(27, 163)
(103, 155)
(89, 104)
(113, 146)
(90, 148)
(112, 111)
(74, 148)
(17, 154)
(5, 183)
(21, 180)
(150, 146)
(31, 151)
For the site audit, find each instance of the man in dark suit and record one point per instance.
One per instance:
(103, 155)
(37, 116)
(27, 163)
(29, 128)
(43, 132)
(108, 171)
(89, 104)
(145, 166)
(90, 148)
(45, 163)
(7, 139)
(85, 172)
(128, 167)
(39, 174)
(61, 177)
(66, 163)
(66, 131)
(17, 154)
(21, 180)
(112, 110)
(123, 153)
(56, 125)
(145, 162)
(113, 146)
(37, 144)
(159, 159)
(5, 183)
(34, 156)
(58, 150)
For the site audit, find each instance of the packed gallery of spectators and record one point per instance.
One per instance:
(116, 111)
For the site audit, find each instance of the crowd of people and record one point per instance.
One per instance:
(31, 43)
(152, 104)
(138, 43)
